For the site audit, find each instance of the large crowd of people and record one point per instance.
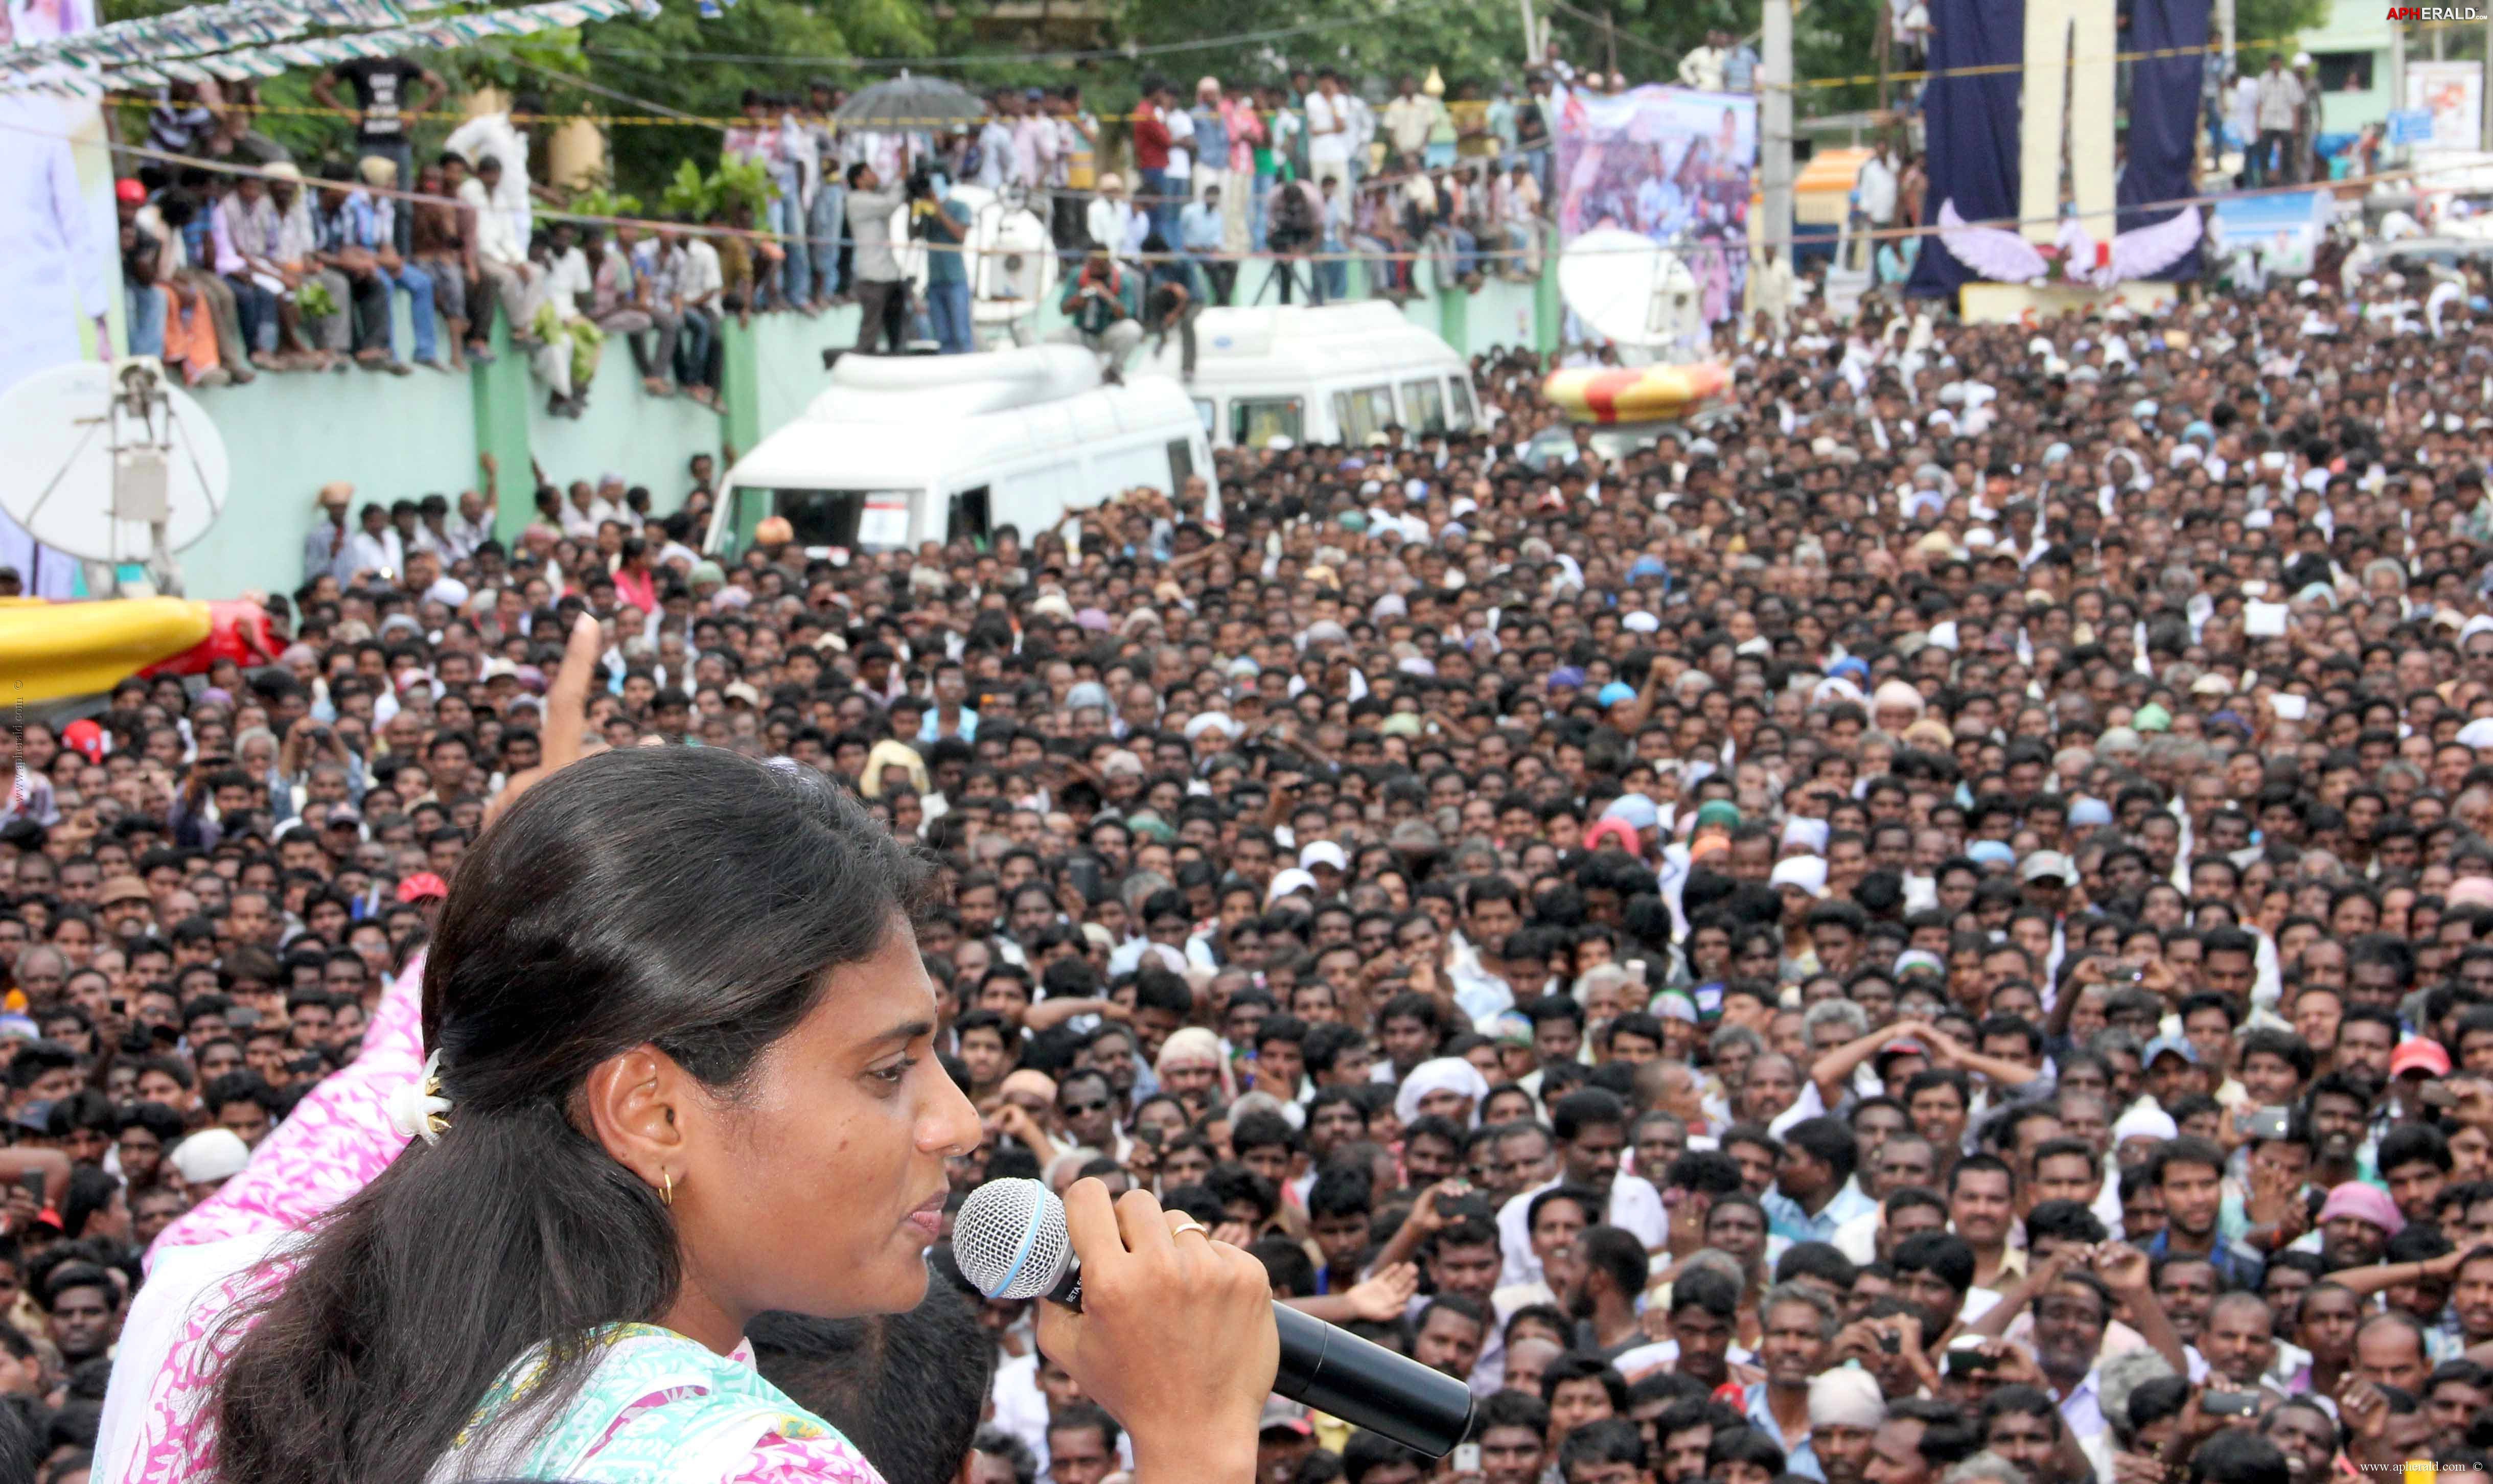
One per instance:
(1926, 932)
(230, 275)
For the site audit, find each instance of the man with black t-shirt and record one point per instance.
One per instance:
(388, 90)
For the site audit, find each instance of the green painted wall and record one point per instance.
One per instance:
(402, 437)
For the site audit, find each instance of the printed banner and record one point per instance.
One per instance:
(1671, 165)
(61, 278)
(1969, 109)
(2164, 97)
(2452, 95)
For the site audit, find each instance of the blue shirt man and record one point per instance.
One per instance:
(1199, 227)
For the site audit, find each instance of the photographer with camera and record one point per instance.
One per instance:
(942, 223)
(1104, 302)
(883, 294)
(1294, 215)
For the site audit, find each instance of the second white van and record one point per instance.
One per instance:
(1317, 374)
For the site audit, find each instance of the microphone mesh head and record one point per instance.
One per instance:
(1009, 1239)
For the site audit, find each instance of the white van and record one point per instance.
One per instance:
(905, 449)
(1318, 373)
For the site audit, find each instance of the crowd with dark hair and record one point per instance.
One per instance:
(1930, 928)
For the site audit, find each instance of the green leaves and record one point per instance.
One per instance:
(690, 195)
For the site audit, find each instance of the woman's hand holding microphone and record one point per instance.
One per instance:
(1175, 1337)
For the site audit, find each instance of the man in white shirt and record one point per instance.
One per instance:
(1111, 218)
(996, 143)
(1329, 129)
(473, 526)
(2276, 111)
(501, 255)
(1876, 186)
(1702, 68)
(493, 136)
(698, 284)
(1591, 1126)
(376, 548)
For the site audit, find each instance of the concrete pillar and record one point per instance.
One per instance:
(501, 392)
(1455, 318)
(1548, 312)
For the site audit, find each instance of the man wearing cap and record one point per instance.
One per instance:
(127, 907)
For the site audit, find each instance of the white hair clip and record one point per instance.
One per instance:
(418, 1110)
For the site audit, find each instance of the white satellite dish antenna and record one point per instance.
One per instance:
(1015, 269)
(111, 464)
(1012, 258)
(1632, 291)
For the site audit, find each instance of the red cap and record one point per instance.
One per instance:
(422, 885)
(84, 737)
(2420, 1054)
(128, 191)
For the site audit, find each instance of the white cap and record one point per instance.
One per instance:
(1285, 883)
(210, 1154)
(1806, 871)
(1323, 852)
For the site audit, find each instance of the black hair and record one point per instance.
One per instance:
(1743, 1445)
(906, 1389)
(1584, 1365)
(1822, 1260)
(559, 948)
(1947, 1438)
(2239, 1456)
(1367, 1452)
(1941, 1255)
(1827, 1141)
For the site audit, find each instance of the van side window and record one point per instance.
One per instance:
(1181, 464)
(1423, 405)
(968, 517)
(1464, 417)
(1361, 412)
(1254, 421)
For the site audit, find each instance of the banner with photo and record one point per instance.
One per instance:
(1670, 164)
(60, 280)
(2451, 94)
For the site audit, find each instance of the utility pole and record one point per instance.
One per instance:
(1775, 121)
(1531, 39)
(1611, 35)
(2397, 67)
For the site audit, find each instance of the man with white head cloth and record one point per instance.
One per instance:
(1844, 1411)
(1443, 1087)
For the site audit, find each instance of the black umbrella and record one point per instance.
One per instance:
(912, 102)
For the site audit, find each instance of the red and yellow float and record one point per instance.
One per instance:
(53, 651)
(1636, 394)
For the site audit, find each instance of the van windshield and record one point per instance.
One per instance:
(857, 519)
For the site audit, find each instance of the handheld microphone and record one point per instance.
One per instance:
(1010, 1242)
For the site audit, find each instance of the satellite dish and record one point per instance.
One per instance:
(1015, 267)
(111, 464)
(1012, 258)
(1632, 290)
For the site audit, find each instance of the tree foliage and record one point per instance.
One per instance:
(689, 64)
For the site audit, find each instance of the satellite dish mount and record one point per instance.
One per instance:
(124, 467)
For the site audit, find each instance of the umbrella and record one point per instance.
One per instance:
(914, 103)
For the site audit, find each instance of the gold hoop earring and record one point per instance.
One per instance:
(667, 1191)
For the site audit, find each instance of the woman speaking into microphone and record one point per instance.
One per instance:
(684, 1053)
